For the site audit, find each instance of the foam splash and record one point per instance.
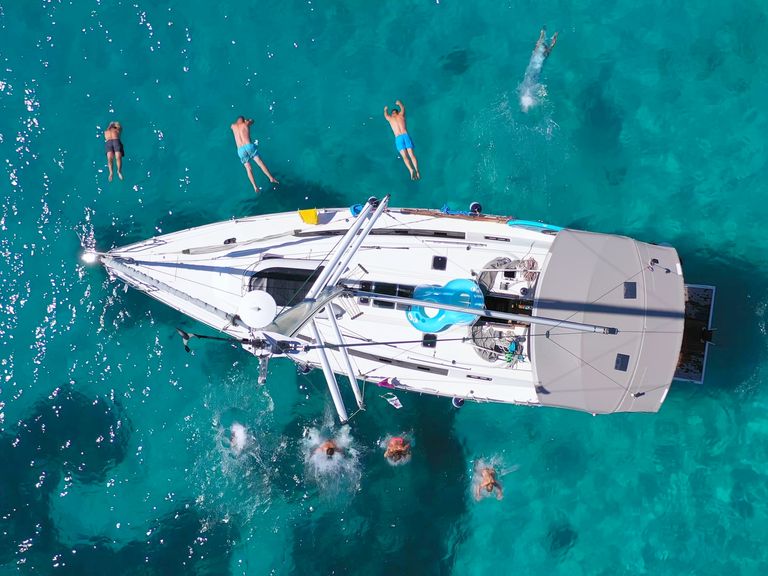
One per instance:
(332, 474)
(497, 463)
(238, 438)
(530, 90)
(404, 460)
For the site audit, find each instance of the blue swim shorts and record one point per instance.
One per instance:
(403, 141)
(247, 152)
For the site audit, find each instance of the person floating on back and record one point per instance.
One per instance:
(403, 142)
(114, 148)
(530, 88)
(488, 483)
(247, 151)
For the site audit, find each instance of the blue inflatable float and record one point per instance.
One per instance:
(460, 292)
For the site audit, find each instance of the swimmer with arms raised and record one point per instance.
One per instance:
(403, 142)
(488, 482)
(247, 151)
(397, 449)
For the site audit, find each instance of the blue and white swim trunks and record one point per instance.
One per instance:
(247, 152)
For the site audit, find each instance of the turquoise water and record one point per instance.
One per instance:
(114, 441)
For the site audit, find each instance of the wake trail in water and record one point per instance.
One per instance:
(531, 91)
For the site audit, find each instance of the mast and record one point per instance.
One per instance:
(345, 251)
(344, 243)
(330, 377)
(490, 313)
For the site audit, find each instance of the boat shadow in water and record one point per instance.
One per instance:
(407, 516)
(290, 195)
(739, 341)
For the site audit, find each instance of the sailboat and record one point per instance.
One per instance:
(460, 304)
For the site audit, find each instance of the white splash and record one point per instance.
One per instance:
(238, 438)
(383, 444)
(333, 474)
(497, 464)
(531, 91)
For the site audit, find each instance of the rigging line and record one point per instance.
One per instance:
(191, 281)
(310, 277)
(591, 366)
(369, 340)
(309, 347)
(575, 333)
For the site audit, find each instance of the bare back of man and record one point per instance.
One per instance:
(114, 148)
(489, 483)
(246, 150)
(403, 141)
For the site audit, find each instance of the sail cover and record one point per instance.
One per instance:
(617, 282)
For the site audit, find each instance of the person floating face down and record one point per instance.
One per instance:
(397, 449)
(403, 141)
(247, 151)
(114, 148)
(488, 483)
(329, 448)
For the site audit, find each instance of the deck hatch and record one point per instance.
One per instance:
(286, 285)
(439, 262)
(622, 362)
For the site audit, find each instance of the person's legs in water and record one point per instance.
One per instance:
(119, 158)
(110, 157)
(249, 170)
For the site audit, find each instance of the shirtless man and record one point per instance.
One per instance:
(489, 482)
(246, 149)
(397, 449)
(328, 447)
(403, 142)
(114, 148)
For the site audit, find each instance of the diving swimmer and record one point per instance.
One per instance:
(530, 88)
(488, 482)
(397, 449)
(114, 148)
(238, 437)
(329, 448)
(541, 43)
(403, 141)
(246, 150)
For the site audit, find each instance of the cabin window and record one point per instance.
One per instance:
(288, 286)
